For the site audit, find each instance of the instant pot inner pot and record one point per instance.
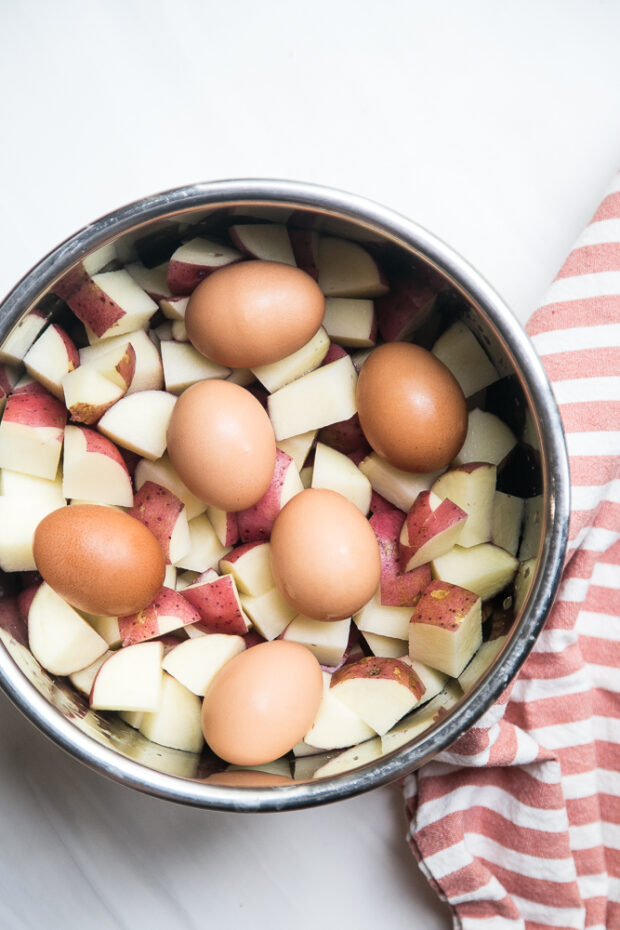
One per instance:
(520, 474)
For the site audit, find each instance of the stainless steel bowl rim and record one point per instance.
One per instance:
(406, 233)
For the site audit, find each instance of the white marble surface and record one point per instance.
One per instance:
(493, 124)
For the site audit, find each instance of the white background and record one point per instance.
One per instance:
(494, 124)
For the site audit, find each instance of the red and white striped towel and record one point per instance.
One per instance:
(517, 827)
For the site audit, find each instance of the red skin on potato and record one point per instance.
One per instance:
(333, 354)
(25, 599)
(184, 277)
(126, 366)
(236, 554)
(346, 436)
(378, 504)
(217, 604)
(304, 243)
(398, 589)
(358, 456)
(376, 667)
(6, 381)
(30, 387)
(73, 355)
(404, 309)
(260, 394)
(232, 529)
(225, 524)
(352, 653)
(253, 638)
(171, 640)
(374, 332)
(33, 407)
(101, 445)
(94, 308)
(158, 509)
(12, 620)
(422, 524)
(255, 523)
(71, 282)
(144, 625)
(130, 459)
(444, 605)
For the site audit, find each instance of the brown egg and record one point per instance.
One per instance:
(221, 443)
(262, 702)
(98, 559)
(254, 313)
(411, 407)
(324, 555)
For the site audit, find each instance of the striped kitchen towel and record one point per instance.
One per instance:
(517, 826)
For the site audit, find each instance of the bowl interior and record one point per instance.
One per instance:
(534, 471)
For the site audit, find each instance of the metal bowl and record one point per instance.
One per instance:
(101, 740)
